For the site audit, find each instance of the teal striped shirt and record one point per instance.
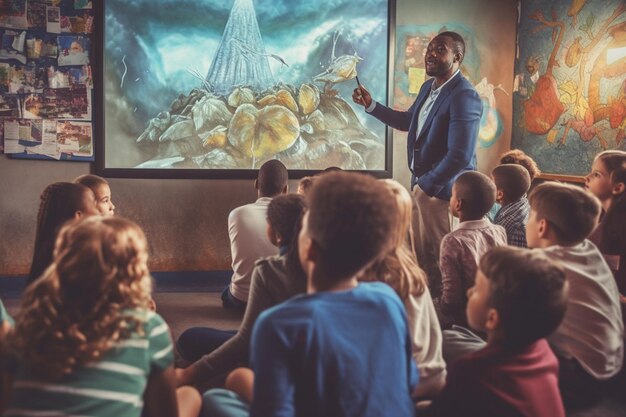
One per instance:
(4, 315)
(111, 387)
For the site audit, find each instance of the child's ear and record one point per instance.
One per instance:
(499, 196)
(286, 189)
(543, 228)
(78, 214)
(618, 188)
(256, 184)
(493, 320)
(459, 205)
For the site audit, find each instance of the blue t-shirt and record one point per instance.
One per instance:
(345, 353)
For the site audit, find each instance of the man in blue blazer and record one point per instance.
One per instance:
(442, 126)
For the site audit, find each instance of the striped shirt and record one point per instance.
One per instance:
(4, 315)
(111, 387)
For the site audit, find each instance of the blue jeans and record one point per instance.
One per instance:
(230, 301)
(199, 341)
(223, 403)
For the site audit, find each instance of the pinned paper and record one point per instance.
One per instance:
(417, 76)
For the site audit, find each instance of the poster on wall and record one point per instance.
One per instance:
(570, 85)
(45, 80)
(215, 88)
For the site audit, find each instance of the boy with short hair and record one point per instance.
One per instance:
(344, 348)
(589, 341)
(512, 183)
(473, 194)
(247, 232)
(519, 298)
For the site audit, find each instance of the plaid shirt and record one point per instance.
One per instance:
(513, 217)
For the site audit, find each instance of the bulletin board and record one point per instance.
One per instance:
(46, 84)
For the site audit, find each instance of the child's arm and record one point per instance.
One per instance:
(160, 394)
(451, 277)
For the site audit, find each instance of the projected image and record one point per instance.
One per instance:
(214, 84)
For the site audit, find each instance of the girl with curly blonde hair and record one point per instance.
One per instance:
(85, 340)
(400, 270)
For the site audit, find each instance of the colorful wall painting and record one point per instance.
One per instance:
(570, 85)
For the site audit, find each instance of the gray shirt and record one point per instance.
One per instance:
(272, 283)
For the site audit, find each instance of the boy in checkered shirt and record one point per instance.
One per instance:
(512, 183)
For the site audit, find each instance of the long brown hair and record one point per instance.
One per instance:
(399, 268)
(59, 202)
(86, 300)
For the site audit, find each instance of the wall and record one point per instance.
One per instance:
(185, 220)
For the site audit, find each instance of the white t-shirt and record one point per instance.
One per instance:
(592, 329)
(247, 229)
(427, 339)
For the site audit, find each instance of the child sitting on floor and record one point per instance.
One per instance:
(274, 280)
(518, 299)
(473, 194)
(101, 190)
(518, 157)
(589, 341)
(60, 202)
(344, 348)
(400, 270)
(85, 341)
(512, 183)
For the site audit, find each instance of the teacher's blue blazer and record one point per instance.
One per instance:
(446, 146)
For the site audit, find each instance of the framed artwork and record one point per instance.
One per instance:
(213, 88)
(569, 98)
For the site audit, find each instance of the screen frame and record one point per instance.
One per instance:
(99, 130)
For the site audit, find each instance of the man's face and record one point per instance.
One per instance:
(440, 58)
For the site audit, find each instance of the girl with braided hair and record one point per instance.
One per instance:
(60, 202)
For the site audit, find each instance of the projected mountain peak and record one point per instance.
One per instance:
(241, 59)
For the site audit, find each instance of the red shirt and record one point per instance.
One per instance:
(495, 382)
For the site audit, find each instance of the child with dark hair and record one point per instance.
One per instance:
(473, 194)
(60, 202)
(517, 157)
(274, 280)
(344, 348)
(246, 230)
(512, 183)
(589, 341)
(101, 190)
(607, 181)
(519, 297)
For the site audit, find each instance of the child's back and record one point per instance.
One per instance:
(592, 329)
(473, 194)
(349, 355)
(495, 382)
(112, 386)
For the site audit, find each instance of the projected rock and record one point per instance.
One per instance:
(308, 98)
(263, 133)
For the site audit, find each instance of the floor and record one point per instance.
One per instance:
(187, 309)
